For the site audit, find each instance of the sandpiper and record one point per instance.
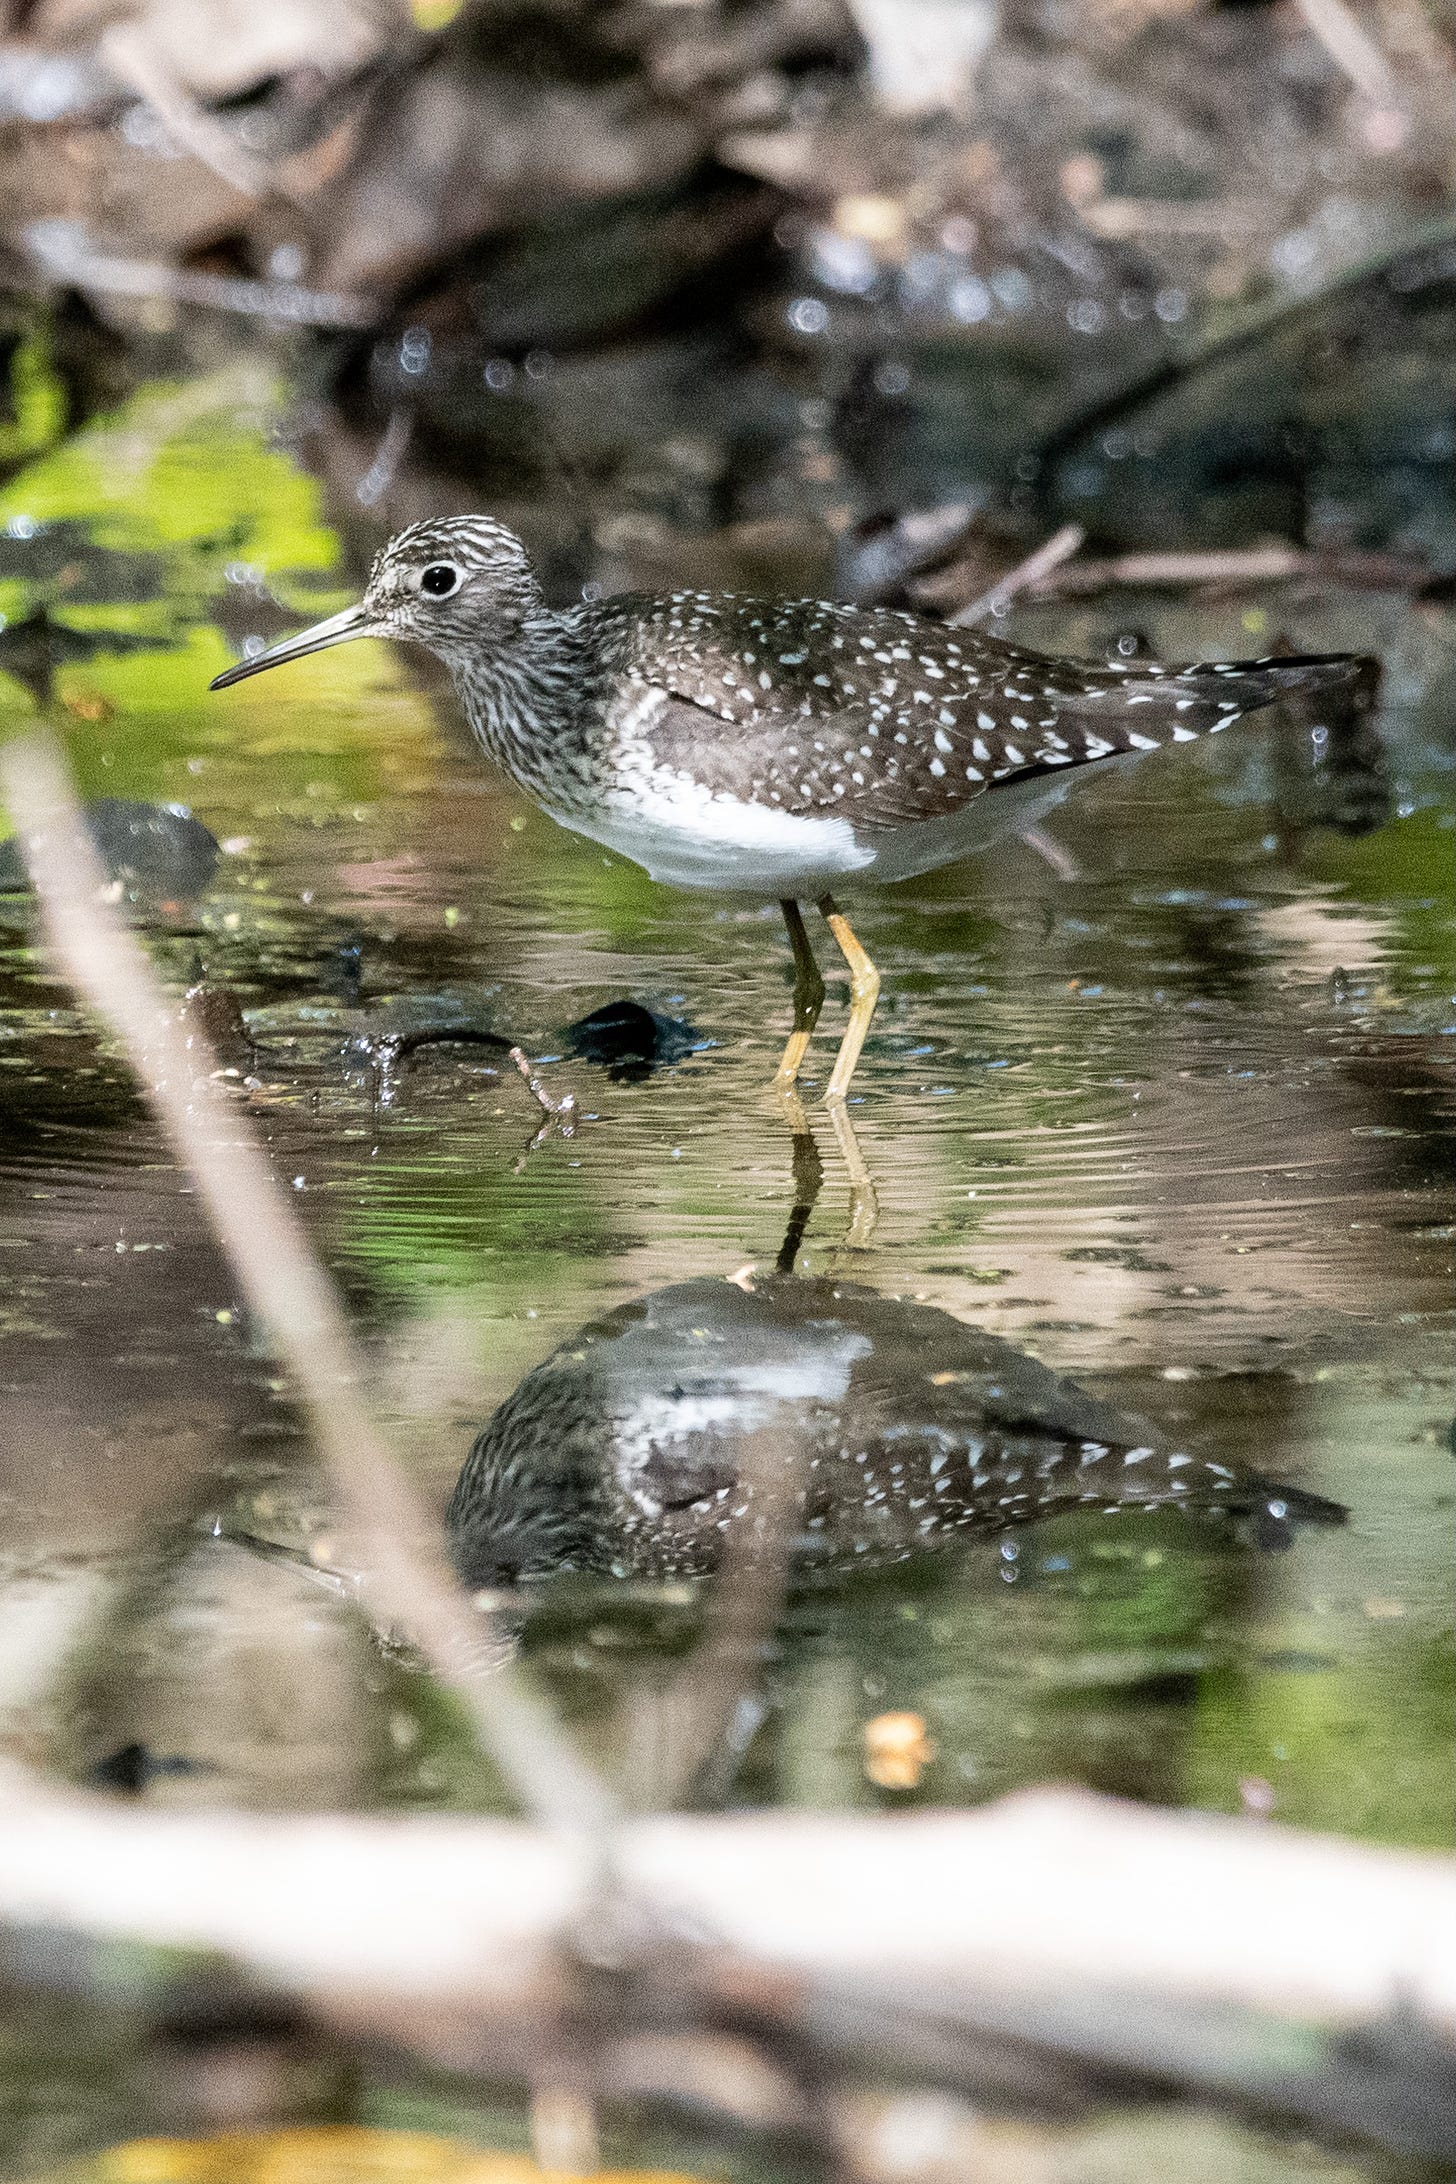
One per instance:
(776, 747)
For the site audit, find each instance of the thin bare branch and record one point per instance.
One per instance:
(1048, 556)
(1060, 858)
(559, 1113)
(409, 1583)
(62, 252)
(134, 59)
(390, 453)
(1224, 568)
(1222, 219)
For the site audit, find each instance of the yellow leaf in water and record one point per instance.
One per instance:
(87, 705)
(327, 2155)
(897, 1750)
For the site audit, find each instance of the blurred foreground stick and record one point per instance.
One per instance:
(409, 1583)
(1049, 1949)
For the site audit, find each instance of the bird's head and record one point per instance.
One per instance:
(461, 585)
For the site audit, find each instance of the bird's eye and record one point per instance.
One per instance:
(441, 579)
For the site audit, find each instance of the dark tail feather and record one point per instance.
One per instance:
(1270, 1515)
(1137, 708)
(1355, 673)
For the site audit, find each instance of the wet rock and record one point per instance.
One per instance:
(133, 1768)
(1330, 765)
(630, 1041)
(156, 849)
(477, 139)
(589, 272)
(157, 852)
(212, 1017)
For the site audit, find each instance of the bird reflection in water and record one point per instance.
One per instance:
(635, 1448)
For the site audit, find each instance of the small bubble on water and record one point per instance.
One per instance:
(1256, 1795)
(971, 301)
(414, 349)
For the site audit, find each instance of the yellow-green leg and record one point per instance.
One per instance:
(808, 995)
(864, 992)
(864, 1205)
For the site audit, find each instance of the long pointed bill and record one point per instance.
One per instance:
(339, 629)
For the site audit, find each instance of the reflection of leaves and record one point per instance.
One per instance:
(185, 479)
(37, 401)
(1332, 1742)
(1404, 872)
(114, 549)
(67, 561)
(332, 2154)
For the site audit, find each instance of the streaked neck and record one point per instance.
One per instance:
(526, 698)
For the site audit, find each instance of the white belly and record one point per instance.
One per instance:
(694, 840)
(991, 818)
(732, 847)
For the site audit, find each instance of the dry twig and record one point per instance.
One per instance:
(135, 60)
(698, 1708)
(1058, 548)
(1223, 568)
(390, 453)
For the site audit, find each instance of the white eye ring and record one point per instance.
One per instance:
(441, 580)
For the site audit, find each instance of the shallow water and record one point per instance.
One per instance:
(1173, 1127)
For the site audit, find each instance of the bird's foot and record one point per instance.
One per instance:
(864, 1204)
